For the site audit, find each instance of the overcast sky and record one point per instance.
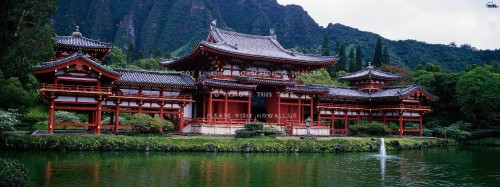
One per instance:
(432, 21)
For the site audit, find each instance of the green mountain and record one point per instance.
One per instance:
(174, 26)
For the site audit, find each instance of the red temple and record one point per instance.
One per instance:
(77, 81)
(238, 78)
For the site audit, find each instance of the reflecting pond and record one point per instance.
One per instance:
(453, 166)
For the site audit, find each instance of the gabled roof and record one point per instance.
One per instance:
(63, 62)
(259, 46)
(150, 78)
(342, 92)
(80, 41)
(308, 89)
(371, 73)
(402, 91)
(252, 47)
(77, 40)
(225, 84)
(266, 81)
(389, 93)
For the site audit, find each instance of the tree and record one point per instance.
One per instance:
(116, 58)
(148, 64)
(320, 76)
(13, 94)
(130, 53)
(158, 54)
(386, 58)
(419, 67)
(359, 61)
(377, 57)
(65, 117)
(352, 64)
(140, 55)
(404, 72)
(26, 36)
(341, 64)
(430, 67)
(8, 120)
(477, 94)
(326, 48)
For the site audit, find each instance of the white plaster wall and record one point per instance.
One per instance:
(300, 131)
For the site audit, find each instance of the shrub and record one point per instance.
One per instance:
(244, 133)
(269, 131)
(146, 123)
(122, 121)
(253, 126)
(374, 128)
(65, 117)
(413, 126)
(255, 129)
(8, 120)
(393, 126)
(13, 173)
(458, 130)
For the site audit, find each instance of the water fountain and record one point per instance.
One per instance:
(382, 148)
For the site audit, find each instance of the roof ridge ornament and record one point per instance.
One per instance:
(272, 34)
(213, 25)
(77, 32)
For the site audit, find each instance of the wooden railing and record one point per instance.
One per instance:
(75, 88)
(154, 96)
(218, 121)
(379, 107)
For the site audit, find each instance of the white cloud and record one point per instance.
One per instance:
(432, 21)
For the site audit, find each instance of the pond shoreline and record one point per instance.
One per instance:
(211, 144)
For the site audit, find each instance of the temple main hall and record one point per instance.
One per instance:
(225, 81)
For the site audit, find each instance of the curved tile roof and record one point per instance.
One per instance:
(370, 72)
(163, 79)
(308, 88)
(258, 46)
(80, 41)
(75, 56)
(225, 84)
(266, 81)
(392, 92)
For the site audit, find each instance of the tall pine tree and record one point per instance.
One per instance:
(386, 57)
(352, 64)
(326, 52)
(326, 48)
(377, 57)
(341, 64)
(359, 60)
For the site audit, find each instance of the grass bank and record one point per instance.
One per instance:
(485, 141)
(200, 144)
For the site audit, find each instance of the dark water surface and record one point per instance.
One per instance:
(453, 166)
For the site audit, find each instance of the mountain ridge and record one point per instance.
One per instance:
(176, 25)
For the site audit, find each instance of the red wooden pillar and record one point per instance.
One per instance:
(249, 106)
(332, 127)
(204, 107)
(51, 115)
(279, 107)
(345, 122)
(181, 118)
(161, 113)
(401, 124)
(384, 118)
(210, 107)
(98, 116)
(359, 117)
(420, 123)
(311, 110)
(117, 116)
(299, 115)
(225, 105)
